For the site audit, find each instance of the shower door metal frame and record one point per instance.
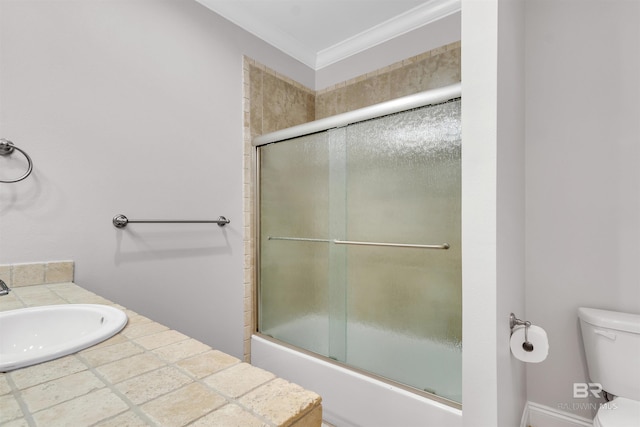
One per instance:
(422, 99)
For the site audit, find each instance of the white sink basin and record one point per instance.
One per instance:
(38, 334)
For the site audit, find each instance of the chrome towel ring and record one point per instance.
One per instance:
(6, 148)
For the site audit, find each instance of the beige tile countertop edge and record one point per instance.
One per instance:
(146, 375)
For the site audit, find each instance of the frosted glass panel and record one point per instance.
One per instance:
(394, 312)
(404, 305)
(294, 201)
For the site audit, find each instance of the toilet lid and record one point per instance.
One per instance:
(620, 412)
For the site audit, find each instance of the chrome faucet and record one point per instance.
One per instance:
(4, 289)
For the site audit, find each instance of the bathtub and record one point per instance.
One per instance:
(350, 398)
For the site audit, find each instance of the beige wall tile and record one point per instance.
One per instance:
(325, 104)
(28, 274)
(435, 71)
(255, 101)
(5, 275)
(284, 105)
(37, 273)
(437, 68)
(59, 271)
(370, 91)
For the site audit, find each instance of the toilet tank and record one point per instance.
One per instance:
(612, 346)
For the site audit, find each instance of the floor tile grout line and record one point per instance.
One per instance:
(138, 407)
(16, 393)
(132, 406)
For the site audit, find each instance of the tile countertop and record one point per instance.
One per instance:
(147, 375)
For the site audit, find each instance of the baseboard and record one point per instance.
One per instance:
(536, 415)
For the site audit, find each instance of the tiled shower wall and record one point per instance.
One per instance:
(273, 102)
(433, 69)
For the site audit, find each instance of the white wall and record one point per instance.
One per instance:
(493, 386)
(583, 177)
(131, 107)
(511, 205)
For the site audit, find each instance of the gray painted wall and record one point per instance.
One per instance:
(582, 177)
(132, 107)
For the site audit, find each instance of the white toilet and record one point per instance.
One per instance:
(612, 345)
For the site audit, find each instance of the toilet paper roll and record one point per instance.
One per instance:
(537, 336)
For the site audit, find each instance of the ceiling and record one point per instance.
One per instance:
(321, 32)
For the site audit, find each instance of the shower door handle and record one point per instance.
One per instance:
(393, 245)
(444, 246)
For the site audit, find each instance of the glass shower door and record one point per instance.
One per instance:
(404, 304)
(293, 303)
(327, 202)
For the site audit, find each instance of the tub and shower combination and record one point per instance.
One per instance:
(359, 260)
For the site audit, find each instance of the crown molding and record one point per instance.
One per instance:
(413, 19)
(257, 27)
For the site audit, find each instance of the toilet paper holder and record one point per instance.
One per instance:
(513, 322)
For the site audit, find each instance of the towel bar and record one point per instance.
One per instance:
(121, 221)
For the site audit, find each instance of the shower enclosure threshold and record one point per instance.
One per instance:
(348, 396)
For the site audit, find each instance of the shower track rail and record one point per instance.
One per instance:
(444, 246)
(421, 99)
